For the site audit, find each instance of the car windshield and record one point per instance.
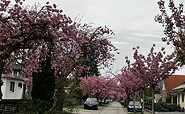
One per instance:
(136, 103)
(91, 100)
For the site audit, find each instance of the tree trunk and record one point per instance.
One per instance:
(54, 102)
(59, 94)
(153, 108)
(134, 105)
(28, 93)
(143, 103)
(128, 96)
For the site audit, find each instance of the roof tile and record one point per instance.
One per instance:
(173, 81)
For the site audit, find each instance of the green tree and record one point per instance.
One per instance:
(44, 83)
(89, 60)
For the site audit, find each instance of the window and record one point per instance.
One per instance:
(20, 85)
(16, 72)
(183, 97)
(12, 85)
(178, 98)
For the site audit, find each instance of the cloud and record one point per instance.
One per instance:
(132, 21)
(137, 38)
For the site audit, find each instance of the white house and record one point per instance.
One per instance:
(173, 87)
(13, 86)
(178, 93)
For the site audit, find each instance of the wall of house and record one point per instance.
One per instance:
(181, 99)
(12, 88)
(157, 97)
(3, 87)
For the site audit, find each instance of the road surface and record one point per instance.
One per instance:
(113, 108)
(116, 108)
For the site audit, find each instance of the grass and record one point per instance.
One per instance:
(79, 106)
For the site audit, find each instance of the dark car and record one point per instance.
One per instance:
(137, 105)
(91, 103)
(122, 102)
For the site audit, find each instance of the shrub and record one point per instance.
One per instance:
(33, 106)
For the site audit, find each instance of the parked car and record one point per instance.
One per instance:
(91, 103)
(137, 105)
(122, 102)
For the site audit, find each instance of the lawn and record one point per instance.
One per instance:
(79, 106)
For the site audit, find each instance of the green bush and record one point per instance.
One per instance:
(33, 107)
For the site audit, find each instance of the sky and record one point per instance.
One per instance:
(131, 20)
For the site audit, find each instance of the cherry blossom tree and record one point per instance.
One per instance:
(107, 87)
(100, 87)
(172, 18)
(89, 85)
(94, 46)
(129, 84)
(154, 67)
(28, 34)
(96, 49)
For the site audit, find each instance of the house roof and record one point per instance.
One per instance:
(181, 86)
(173, 81)
(179, 89)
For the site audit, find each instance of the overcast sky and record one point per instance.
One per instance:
(132, 21)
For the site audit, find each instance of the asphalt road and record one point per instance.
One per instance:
(116, 108)
(86, 111)
(113, 108)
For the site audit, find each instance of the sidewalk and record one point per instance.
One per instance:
(147, 111)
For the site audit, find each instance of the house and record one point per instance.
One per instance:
(13, 86)
(173, 81)
(178, 95)
(174, 87)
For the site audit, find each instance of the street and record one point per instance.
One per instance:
(116, 108)
(113, 108)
